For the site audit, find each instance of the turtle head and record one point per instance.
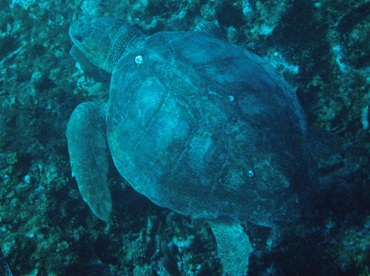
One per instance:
(104, 40)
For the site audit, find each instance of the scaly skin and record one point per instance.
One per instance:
(104, 40)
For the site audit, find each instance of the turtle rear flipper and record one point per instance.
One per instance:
(233, 245)
(211, 29)
(87, 146)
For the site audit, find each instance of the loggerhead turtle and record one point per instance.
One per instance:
(194, 123)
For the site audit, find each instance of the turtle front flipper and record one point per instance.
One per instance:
(233, 245)
(88, 151)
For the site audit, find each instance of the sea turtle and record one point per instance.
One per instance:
(194, 123)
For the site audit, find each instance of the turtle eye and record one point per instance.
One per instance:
(79, 38)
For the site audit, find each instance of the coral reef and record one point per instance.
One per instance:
(321, 47)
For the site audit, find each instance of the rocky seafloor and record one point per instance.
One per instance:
(321, 47)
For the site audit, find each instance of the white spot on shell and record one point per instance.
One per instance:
(250, 173)
(139, 59)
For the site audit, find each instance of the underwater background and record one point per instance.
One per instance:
(321, 47)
